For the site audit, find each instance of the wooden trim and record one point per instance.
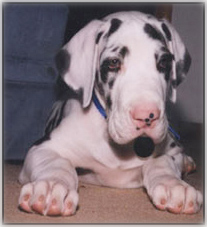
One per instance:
(164, 11)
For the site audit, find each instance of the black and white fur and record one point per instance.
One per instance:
(128, 59)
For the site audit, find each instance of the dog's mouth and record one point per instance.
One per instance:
(122, 132)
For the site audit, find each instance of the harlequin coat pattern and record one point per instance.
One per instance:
(132, 63)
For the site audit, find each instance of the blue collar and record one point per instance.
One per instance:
(103, 113)
(98, 105)
(174, 133)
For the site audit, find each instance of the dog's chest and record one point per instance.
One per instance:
(83, 139)
(117, 177)
(113, 167)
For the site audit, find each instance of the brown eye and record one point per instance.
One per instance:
(114, 63)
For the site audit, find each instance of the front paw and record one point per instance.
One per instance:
(176, 197)
(48, 198)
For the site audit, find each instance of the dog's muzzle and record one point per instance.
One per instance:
(144, 117)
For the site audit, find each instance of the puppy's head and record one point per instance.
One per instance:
(134, 62)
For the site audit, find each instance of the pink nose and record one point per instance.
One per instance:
(145, 115)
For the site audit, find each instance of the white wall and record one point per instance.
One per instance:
(188, 21)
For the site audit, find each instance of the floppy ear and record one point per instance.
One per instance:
(77, 61)
(182, 59)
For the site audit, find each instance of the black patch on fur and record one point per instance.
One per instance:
(98, 37)
(174, 83)
(156, 57)
(115, 24)
(173, 144)
(99, 85)
(154, 33)
(64, 92)
(62, 60)
(101, 89)
(187, 61)
(167, 76)
(109, 102)
(115, 49)
(150, 16)
(82, 171)
(164, 64)
(104, 72)
(111, 83)
(164, 49)
(96, 75)
(182, 67)
(124, 51)
(166, 31)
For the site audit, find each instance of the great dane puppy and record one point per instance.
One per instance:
(123, 68)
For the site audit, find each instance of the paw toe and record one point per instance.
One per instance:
(69, 209)
(160, 197)
(54, 208)
(24, 203)
(39, 205)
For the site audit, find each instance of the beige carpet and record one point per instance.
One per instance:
(107, 205)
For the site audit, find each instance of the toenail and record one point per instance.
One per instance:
(190, 204)
(26, 197)
(69, 205)
(54, 202)
(163, 201)
(180, 205)
(41, 198)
